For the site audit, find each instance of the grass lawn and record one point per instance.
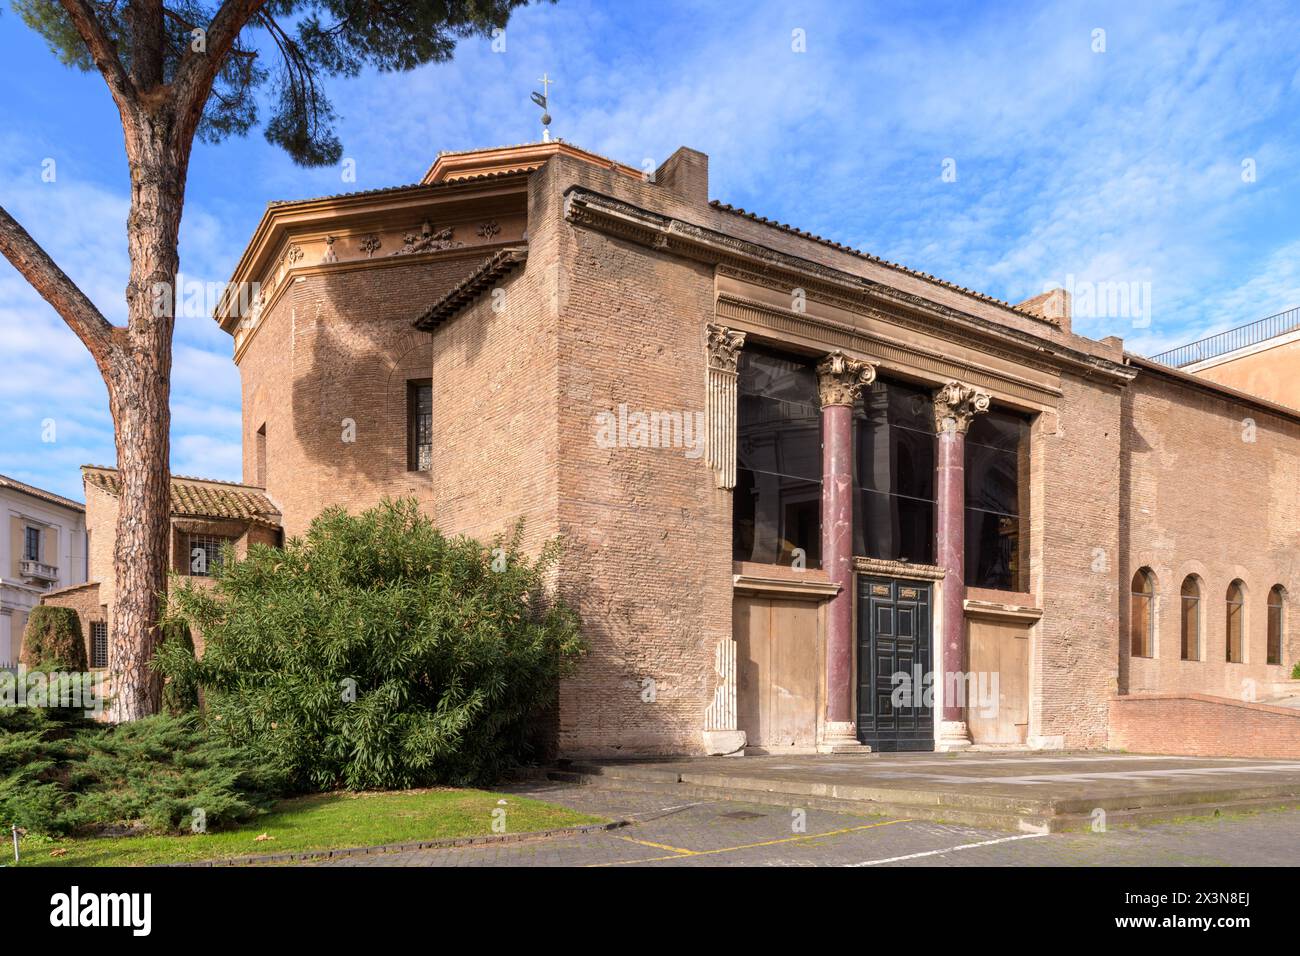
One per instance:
(317, 822)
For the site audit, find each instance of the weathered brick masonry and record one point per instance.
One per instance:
(539, 288)
(1202, 726)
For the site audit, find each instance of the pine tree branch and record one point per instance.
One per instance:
(104, 52)
(35, 265)
(148, 42)
(198, 71)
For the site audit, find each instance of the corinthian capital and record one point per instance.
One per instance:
(956, 405)
(724, 347)
(840, 379)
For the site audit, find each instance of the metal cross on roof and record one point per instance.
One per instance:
(543, 99)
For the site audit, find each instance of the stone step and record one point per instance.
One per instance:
(1019, 814)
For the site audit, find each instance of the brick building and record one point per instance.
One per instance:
(794, 480)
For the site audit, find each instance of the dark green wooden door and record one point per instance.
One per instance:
(895, 709)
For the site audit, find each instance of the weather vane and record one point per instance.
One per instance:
(542, 99)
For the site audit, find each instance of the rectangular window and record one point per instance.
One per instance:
(419, 425)
(98, 644)
(894, 458)
(205, 553)
(776, 516)
(32, 544)
(996, 446)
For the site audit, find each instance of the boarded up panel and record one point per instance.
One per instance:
(794, 675)
(999, 648)
(776, 672)
(751, 620)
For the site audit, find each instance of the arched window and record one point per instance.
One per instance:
(1142, 617)
(1190, 618)
(1275, 624)
(1236, 602)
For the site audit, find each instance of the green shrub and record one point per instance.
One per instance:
(157, 772)
(63, 776)
(376, 653)
(1295, 671)
(53, 640)
(180, 694)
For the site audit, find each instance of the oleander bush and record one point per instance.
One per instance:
(376, 653)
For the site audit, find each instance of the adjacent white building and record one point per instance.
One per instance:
(45, 549)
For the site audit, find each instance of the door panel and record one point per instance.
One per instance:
(1001, 648)
(776, 672)
(894, 636)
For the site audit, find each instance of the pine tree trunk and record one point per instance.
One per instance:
(139, 386)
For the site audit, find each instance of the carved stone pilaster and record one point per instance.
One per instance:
(840, 379)
(956, 405)
(724, 347)
(721, 735)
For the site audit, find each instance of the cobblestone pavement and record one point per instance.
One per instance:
(675, 832)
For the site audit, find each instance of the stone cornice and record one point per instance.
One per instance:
(816, 587)
(273, 233)
(614, 216)
(898, 569)
(836, 297)
(882, 349)
(1225, 393)
(997, 609)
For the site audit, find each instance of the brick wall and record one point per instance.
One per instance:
(101, 521)
(1211, 490)
(1074, 501)
(649, 556)
(338, 347)
(1202, 726)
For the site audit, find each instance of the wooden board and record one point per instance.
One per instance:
(776, 672)
(1002, 648)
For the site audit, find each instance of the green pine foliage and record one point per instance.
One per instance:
(376, 653)
(61, 775)
(52, 640)
(180, 693)
(281, 58)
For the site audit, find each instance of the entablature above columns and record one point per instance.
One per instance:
(819, 308)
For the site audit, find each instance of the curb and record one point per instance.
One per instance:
(412, 845)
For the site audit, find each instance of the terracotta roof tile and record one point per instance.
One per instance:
(278, 203)
(16, 485)
(200, 497)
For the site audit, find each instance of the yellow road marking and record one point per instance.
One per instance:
(659, 846)
(679, 853)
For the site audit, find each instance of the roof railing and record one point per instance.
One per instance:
(1241, 337)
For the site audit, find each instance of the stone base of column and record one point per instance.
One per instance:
(841, 738)
(724, 743)
(953, 735)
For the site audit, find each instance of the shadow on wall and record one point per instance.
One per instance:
(355, 353)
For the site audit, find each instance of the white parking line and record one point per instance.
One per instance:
(951, 849)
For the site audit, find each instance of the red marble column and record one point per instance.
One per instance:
(840, 381)
(955, 405)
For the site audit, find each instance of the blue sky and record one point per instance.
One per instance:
(1124, 165)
